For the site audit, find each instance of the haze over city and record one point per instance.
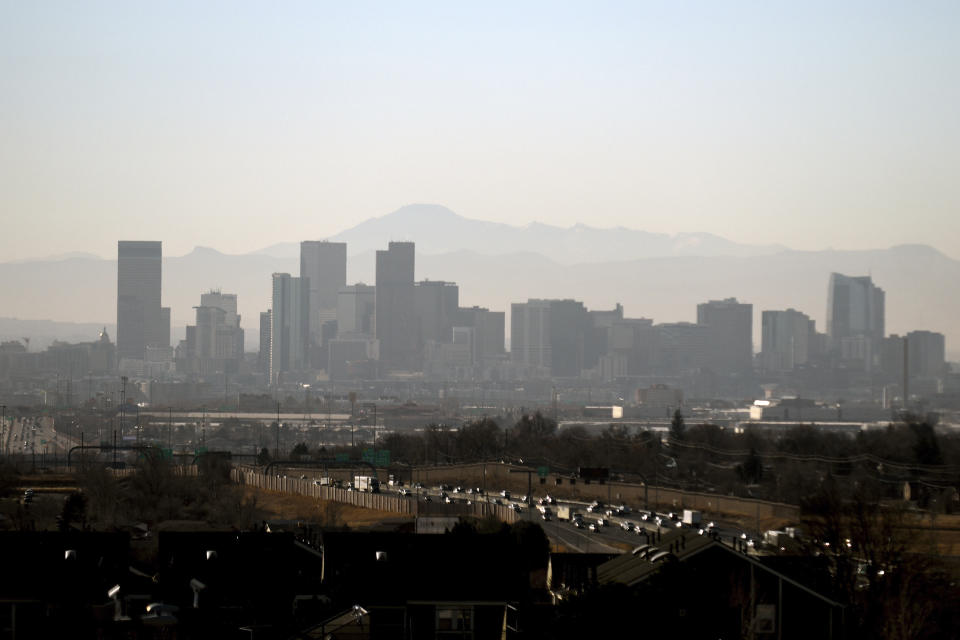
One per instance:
(499, 321)
(812, 125)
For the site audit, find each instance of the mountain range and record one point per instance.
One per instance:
(436, 229)
(653, 275)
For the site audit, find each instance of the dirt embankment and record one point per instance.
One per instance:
(293, 507)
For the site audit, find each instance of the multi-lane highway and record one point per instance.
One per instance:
(601, 528)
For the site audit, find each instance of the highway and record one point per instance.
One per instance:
(611, 537)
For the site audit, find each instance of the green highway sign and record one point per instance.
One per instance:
(379, 458)
(543, 472)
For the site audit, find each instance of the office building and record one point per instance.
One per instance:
(548, 336)
(436, 304)
(680, 347)
(787, 340)
(396, 320)
(215, 343)
(324, 266)
(353, 357)
(356, 307)
(926, 351)
(855, 307)
(729, 327)
(140, 319)
(289, 325)
(263, 356)
(488, 327)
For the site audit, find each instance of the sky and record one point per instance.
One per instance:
(238, 125)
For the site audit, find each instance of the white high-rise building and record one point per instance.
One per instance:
(289, 325)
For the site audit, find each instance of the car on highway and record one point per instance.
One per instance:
(602, 522)
(626, 525)
(515, 507)
(505, 494)
(427, 498)
(594, 527)
(458, 489)
(578, 524)
(404, 492)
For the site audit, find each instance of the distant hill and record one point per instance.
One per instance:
(437, 229)
(919, 282)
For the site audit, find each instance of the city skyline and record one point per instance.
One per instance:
(789, 284)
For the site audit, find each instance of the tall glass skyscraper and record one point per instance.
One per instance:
(855, 307)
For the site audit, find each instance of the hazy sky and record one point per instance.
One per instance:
(238, 125)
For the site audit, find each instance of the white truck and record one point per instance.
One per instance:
(369, 484)
(563, 513)
(691, 517)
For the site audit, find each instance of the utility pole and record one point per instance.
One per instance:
(529, 473)
(277, 449)
(123, 401)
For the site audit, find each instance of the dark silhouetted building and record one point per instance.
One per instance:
(396, 320)
(729, 327)
(140, 319)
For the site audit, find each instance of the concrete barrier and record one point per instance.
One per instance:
(379, 501)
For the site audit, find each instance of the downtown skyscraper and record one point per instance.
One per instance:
(324, 267)
(289, 325)
(396, 319)
(855, 307)
(141, 321)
